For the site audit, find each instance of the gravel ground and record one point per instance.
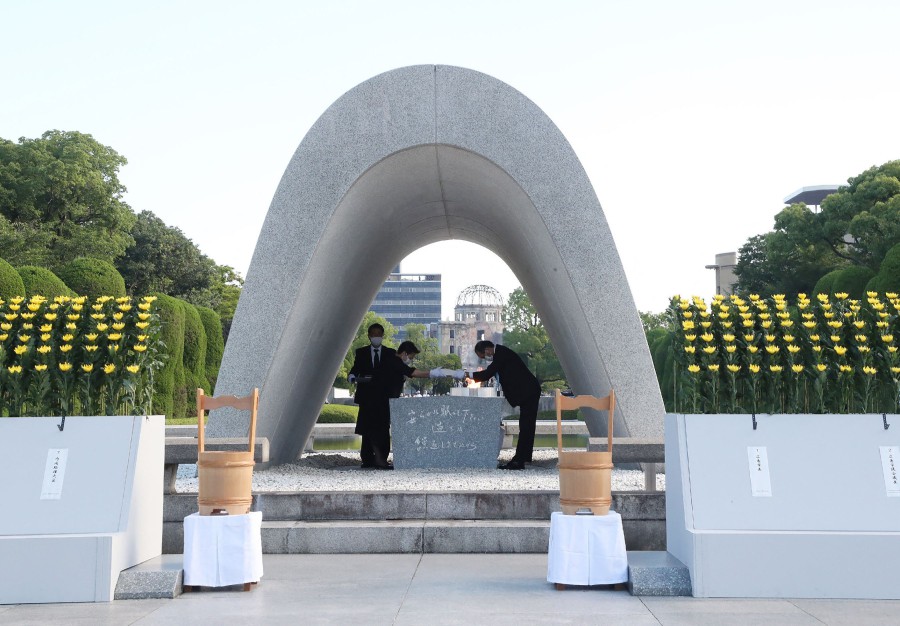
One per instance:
(340, 471)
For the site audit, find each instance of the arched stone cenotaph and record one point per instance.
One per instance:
(410, 157)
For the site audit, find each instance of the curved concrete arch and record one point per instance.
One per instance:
(410, 157)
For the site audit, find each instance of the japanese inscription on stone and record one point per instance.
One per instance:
(890, 460)
(446, 432)
(54, 473)
(760, 481)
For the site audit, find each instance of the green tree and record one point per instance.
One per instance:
(41, 281)
(362, 339)
(61, 198)
(92, 277)
(651, 321)
(526, 336)
(162, 258)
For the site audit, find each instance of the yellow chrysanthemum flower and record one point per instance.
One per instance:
(707, 337)
(98, 306)
(14, 369)
(142, 325)
(841, 295)
(821, 367)
(4, 337)
(767, 324)
(845, 368)
(6, 327)
(146, 337)
(87, 367)
(871, 371)
(24, 338)
(46, 328)
(44, 349)
(141, 347)
(688, 349)
(688, 325)
(787, 323)
(45, 337)
(809, 324)
(772, 349)
(813, 337)
(102, 327)
(68, 337)
(713, 367)
(134, 369)
(796, 368)
(788, 338)
(27, 326)
(754, 368)
(775, 368)
(731, 348)
(863, 348)
(733, 368)
(693, 369)
(119, 323)
(65, 347)
(10, 316)
(686, 337)
(143, 316)
(91, 336)
(687, 315)
(709, 349)
(40, 368)
(144, 306)
(50, 316)
(895, 370)
(33, 307)
(90, 348)
(817, 348)
(793, 348)
(861, 338)
(747, 323)
(752, 349)
(125, 307)
(113, 347)
(728, 338)
(748, 337)
(840, 350)
(114, 336)
(109, 368)
(65, 367)
(887, 338)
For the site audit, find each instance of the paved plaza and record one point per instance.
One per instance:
(430, 589)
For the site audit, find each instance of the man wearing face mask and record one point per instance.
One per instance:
(521, 389)
(403, 368)
(372, 372)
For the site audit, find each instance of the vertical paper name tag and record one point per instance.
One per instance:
(54, 473)
(890, 462)
(760, 482)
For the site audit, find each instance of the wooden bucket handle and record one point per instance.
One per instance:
(608, 403)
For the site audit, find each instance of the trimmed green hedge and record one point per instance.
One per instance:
(888, 277)
(852, 281)
(215, 343)
(92, 277)
(11, 284)
(338, 414)
(171, 377)
(194, 354)
(826, 283)
(41, 281)
(573, 414)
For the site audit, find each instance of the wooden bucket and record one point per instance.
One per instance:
(585, 482)
(225, 478)
(225, 482)
(585, 478)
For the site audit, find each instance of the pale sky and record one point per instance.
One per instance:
(692, 119)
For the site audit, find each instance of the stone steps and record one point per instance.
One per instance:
(423, 522)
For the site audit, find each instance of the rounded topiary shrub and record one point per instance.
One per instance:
(338, 414)
(92, 277)
(852, 281)
(215, 343)
(11, 284)
(171, 377)
(824, 284)
(887, 280)
(43, 282)
(194, 355)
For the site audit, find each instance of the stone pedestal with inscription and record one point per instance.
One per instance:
(786, 506)
(85, 503)
(446, 432)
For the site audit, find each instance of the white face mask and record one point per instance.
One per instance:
(376, 341)
(488, 357)
(407, 360)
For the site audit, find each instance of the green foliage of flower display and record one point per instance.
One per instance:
(834, 354)
(76, 356)
(11, 284)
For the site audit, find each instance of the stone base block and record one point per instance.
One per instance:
(160, 577)
(655, 573)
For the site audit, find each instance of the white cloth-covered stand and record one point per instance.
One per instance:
(221, 550)
(587, 550)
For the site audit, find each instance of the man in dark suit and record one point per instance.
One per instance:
(373, 374)
(521, 389)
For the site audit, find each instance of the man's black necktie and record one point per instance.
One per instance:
(377, 359)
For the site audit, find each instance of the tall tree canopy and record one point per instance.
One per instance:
(857, 225)
(61, 198)
(525, 334)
